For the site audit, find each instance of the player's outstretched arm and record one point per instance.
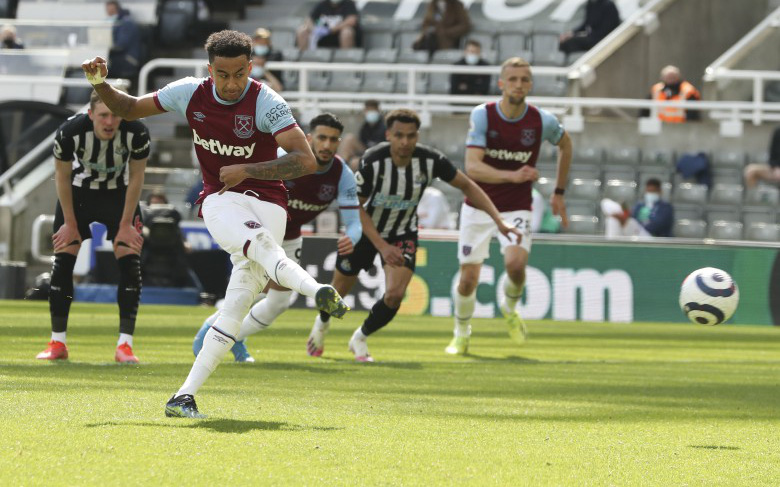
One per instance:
(126, 106)
(557, 202)
(481, 200)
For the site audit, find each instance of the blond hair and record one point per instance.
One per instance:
(514, 62)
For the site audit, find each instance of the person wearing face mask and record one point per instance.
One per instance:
(674, 88)
(262, 52)
(372, 132)
(125, 55)
(651, 217)
(8, 39)
(470, 84)
(445, 22)
(331, 23)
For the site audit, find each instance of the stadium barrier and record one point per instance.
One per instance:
(567, 280)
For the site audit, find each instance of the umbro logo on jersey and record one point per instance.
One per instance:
(199, 116)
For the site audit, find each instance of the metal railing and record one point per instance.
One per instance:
(427, 104)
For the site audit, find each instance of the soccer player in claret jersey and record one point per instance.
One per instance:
(501, 151)
(237, 125)
(99, 172)
(308, 197)
(392, 178)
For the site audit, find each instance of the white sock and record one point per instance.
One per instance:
(512, 293)
(264, 313)
(358, 335)
(58, 336)
(264, 250)
(215, 346)
(322, 325)
(125, 338)
(464, 310)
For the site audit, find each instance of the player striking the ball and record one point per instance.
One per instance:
(234, 121)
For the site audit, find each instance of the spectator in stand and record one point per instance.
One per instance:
(8, 39)
(372, 132)
(601, 18)
(651, 217)
(673, 87)
(331, 23)
(433, 211)
(445, 22)
(125, 56)
(762, 172)
(470, 84)
(262, 52)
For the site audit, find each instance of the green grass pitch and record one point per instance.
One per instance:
(580, 404)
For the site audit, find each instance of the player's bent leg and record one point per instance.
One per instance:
(197, 343)
(128, 297)
(515, 259)
(60, 298)
(315, 345)
(263, 314)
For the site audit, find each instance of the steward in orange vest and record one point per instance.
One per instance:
(673, 88)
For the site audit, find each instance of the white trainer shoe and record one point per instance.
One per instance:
(316, 343)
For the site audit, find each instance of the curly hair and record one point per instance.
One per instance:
(228, 43)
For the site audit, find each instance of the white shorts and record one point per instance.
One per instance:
(232, 219)
(477, 228)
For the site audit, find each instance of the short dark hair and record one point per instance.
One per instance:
(228, 43)
(115, 3)
(327, 120)
(653, 182)
(371, 104)
(474, 42)
(403, 115)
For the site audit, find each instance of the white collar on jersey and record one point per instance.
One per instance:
(225, 102)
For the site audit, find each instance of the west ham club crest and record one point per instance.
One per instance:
(244, 126)
(528, 137)
(326, 192)
(466, 249)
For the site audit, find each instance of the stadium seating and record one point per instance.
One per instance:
(588, 189)
(763, 232)
(725, 230)
(620, 190)
(726, 193)
(690, 193)
(685, 228)
(583, 224)
(763, 195)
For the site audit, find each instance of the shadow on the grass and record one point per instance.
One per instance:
(714, 447)
(222, 425)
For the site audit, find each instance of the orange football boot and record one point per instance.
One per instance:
(55, 351)
(124, 354)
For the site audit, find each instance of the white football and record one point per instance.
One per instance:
(709, 296)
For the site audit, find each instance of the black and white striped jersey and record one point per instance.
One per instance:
(100, 164)
(393, 192)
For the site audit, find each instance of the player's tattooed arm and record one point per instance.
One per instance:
(289, 166)
(120, 103)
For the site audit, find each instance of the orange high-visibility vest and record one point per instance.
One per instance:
(673, 114)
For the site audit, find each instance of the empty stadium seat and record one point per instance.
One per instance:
(686, 228)
(583, 225)
(378, 82)
(763, 195)
(684, 211)
(690, 193)
(290, 54)
(588, 155)
(446, 56)
(346, 82)
(439, 83)
(584, 171)
(726, 193)
(319, 55)
(378, 39)
(381, 55)
(546, 85)
(727, 175)
(485, 38)
(421, 79)
(624, 155)
(547, 169)
(763, 232)
(355, 55)
(658, 157)
(582, 207)
(619, 171)
(758, 214)
(544, 47)
(588, 189)
(283, 39)
(723, 213)
(545, 186)
(728, 158)
(725, 230)
(319, 80)
(620, 190)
